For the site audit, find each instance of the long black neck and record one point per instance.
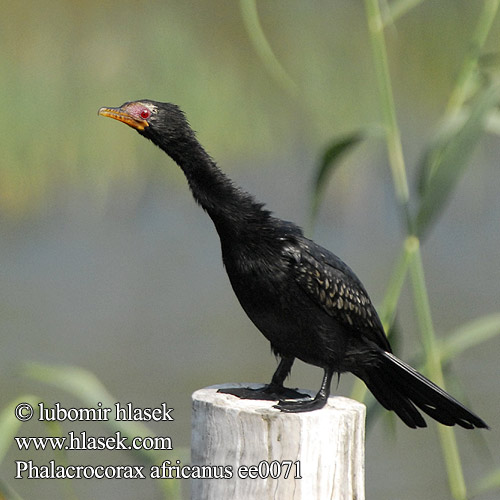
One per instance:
(231, 209)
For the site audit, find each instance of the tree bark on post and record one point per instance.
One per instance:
(269, 454)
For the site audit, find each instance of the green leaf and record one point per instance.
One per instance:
(448, 157)
(328, 163)
(263, 48)
(87, 387)
(470, 335)
(434, 154)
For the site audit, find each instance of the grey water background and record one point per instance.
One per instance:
(107, 263)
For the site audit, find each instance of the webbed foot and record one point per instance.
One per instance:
(268, 392)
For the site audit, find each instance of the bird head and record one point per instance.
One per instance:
(162, 123)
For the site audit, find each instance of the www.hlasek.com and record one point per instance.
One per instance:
(85, 442)
(27, 469)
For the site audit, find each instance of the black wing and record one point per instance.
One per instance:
(332, 285)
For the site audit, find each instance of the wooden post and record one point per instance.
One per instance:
(321, 452)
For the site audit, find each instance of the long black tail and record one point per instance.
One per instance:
(399, 387)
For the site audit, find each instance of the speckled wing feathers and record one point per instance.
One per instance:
(331, 284)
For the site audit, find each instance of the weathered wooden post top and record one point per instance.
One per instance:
(258, 452)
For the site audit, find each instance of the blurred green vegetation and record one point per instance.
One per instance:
(474, 98)
(61, 60)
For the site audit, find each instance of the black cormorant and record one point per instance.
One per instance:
(307, 302)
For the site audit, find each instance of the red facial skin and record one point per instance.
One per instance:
(134, 114)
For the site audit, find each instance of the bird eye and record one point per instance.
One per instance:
(145, 113)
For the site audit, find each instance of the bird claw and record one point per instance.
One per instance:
(303, 405)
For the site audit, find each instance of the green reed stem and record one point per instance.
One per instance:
(422, 306)
(264, 51)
